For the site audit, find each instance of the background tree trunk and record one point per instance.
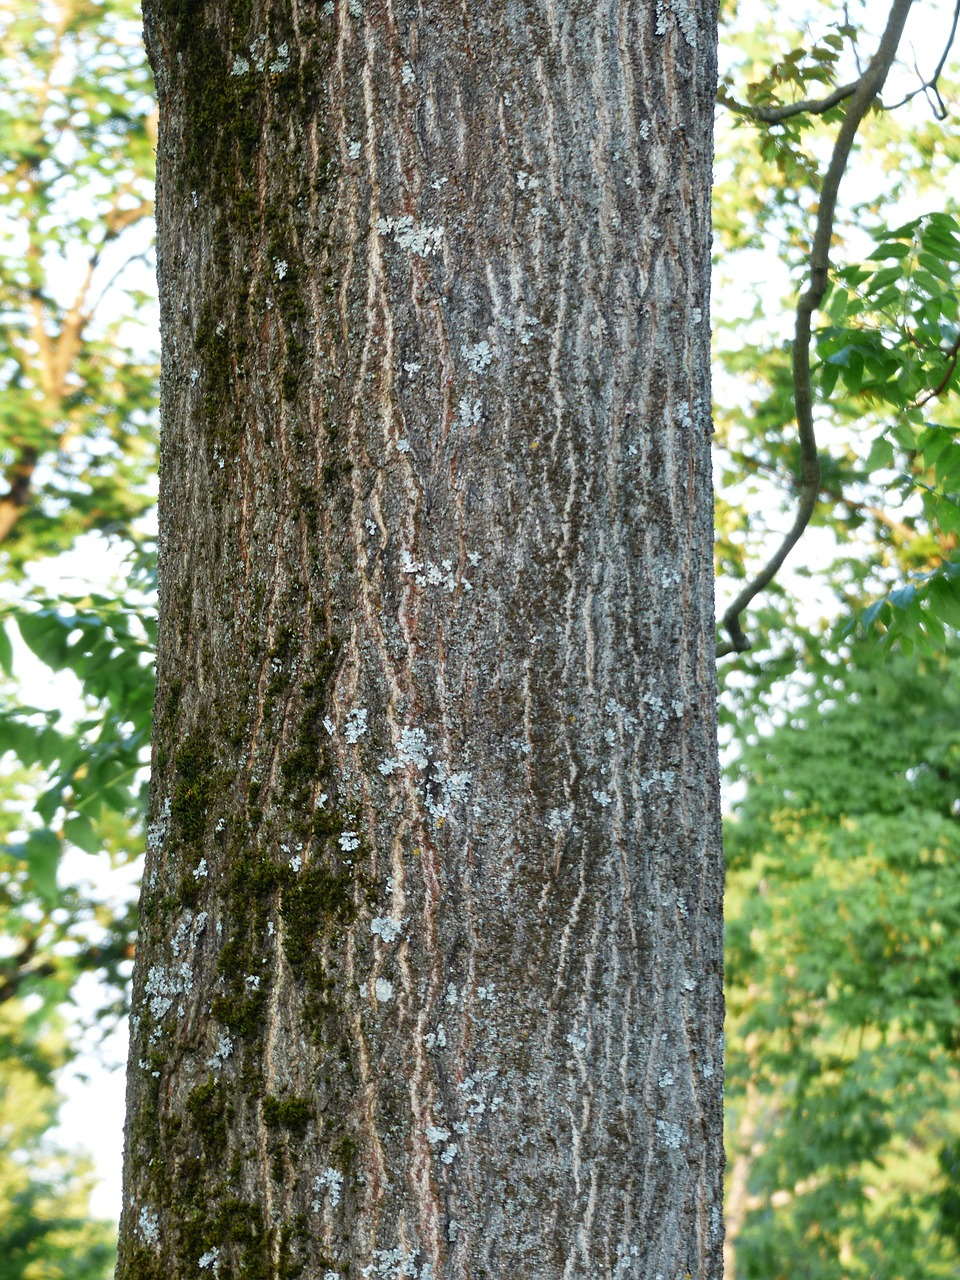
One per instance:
(429, 979)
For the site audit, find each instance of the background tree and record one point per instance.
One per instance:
(46, 1232)
(76, 462)
(843, 928)
(76, 452)
(428, 979)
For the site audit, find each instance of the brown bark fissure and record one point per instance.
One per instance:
(430, 975)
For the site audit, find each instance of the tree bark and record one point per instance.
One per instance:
(429, 980)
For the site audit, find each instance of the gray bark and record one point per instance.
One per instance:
(429, 980)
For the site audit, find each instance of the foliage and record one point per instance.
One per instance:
(77, 457)
(76, 168)
(46, 1232)
(844, 977)
(886, 345)
(77, 401)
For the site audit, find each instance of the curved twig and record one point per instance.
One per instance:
(810, 106)
(931, 86)
(951, 358)
(868, 87)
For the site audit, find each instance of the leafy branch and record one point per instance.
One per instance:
(864, 94)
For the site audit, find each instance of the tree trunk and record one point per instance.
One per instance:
(429, 979)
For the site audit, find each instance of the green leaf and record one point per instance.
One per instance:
(6, 651)
(880, 456)
(42, 854)
(79, 831)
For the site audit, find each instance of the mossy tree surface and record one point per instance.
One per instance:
(429, 981)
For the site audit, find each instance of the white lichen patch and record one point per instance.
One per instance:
(527, 181)
(163, 986)
(558, 820)
(406, 74)
(349, 840)
(200, 870)
(669, 1135)
(386, 927)
(436, 1039)
(664, 778)
(257, 54)
(396, 1264)
(356, 725)
(475, 1090)
(577, 1039)
(468, 412)
(241, 65)
(148, 1226)
(353, 149)
(383, 990)
(478, 356)
(437, 1134)
(330, 1182)
(683, 16)
(412, 747)
(620, 713)
(665, 1079)
(157, 831)
(209, 1259)
(330, 727)
(602, 798)
(222, 1052)
(282, 61)
(422, 240)
(280, 268)
(449, 1153)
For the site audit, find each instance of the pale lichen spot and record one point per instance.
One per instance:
(386, 927)
(478, 356)
(282, 61)
(383, 990)
(148, 1226)
(421, 240)
(356, 725)
(330, 1182)
(669, 1135)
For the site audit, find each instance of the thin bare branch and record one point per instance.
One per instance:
(868, 88)
(928, 87)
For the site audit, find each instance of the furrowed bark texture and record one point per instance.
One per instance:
(429, 981)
